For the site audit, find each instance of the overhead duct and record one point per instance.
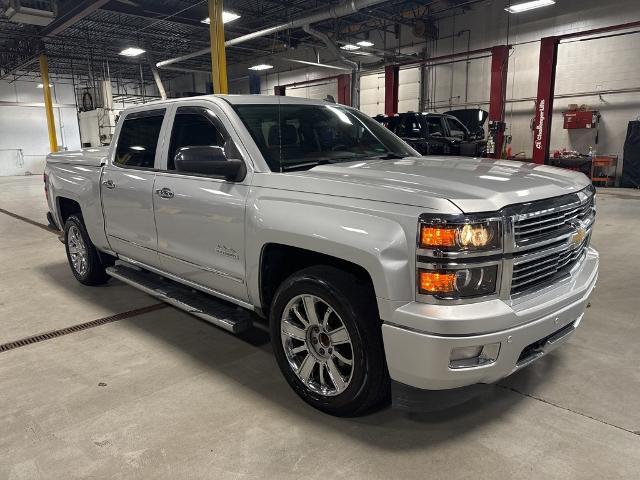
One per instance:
(336, 51)
(41, 12)
(338, 11)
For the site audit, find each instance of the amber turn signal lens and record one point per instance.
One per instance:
(437, 282)
(431, 237)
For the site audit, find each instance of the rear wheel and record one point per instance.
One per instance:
(326, 337)
(84, 259)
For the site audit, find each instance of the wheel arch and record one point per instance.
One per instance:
(278, 261)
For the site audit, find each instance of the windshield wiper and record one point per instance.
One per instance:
(305, 165)
(321, 161)
(391, 156)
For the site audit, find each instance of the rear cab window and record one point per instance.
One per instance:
(138, 139)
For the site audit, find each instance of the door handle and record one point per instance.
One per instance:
(164, 192)
(109, 184)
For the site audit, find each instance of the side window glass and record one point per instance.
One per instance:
(401, 126)
(434, 126)
(193, 128)
(138, 141)
(456, 129)
(412, 127)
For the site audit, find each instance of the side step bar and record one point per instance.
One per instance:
(229, 317)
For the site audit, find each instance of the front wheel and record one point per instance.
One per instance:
(84, 259)
(326, 337)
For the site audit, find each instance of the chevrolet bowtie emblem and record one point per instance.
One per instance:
(578, 236)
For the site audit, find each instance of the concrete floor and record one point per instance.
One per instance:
(164, 395)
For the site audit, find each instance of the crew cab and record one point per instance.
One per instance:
(369, 264)
(437, 133)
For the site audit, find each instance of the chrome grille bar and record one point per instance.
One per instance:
(541, 238)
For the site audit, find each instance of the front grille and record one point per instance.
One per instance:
(542, 238)
(545, 222)
(545, 268)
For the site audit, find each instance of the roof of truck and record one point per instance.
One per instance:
(250, 99)
(270, 99)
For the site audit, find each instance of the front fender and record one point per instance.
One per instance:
(370, 239)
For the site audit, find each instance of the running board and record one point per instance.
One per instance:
(229, 317)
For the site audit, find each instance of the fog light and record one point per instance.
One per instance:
(475, 356)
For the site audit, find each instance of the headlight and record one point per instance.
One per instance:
(472, 236)
(464, 282)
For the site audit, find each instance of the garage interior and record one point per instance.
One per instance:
(106, 382)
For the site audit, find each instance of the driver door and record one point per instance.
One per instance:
(199, 218)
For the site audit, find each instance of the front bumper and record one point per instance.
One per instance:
(418, 338)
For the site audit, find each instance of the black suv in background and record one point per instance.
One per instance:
(441, 134)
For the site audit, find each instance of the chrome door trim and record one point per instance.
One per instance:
(190, 264)
(206, 269)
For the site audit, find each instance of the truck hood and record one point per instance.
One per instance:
(472, 184)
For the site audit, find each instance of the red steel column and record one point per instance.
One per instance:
(544, 102)
(391, 75)
(344, 89)
(497, 95)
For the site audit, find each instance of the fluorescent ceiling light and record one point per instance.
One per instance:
(523, 7)
(40, 85)
(365, 43)
(262, 66)
(226, 17)
(132, 52)
(350, 47)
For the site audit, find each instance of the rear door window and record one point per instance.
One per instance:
(138, 139)
(434, 126)
(410, 126)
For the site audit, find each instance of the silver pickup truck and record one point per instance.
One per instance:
(369, 264)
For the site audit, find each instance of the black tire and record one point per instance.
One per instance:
(94, 271)
(354, 301)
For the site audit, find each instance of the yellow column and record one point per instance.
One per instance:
(218, 57)
(48, 104)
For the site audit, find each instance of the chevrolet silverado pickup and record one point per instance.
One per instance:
(369, 264)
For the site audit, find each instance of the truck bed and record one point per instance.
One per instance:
(91, 157)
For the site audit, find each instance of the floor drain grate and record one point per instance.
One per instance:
(82, 326)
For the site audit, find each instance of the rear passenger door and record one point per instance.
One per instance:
(127, 186)
(200, 223)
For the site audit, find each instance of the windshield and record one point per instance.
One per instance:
(297, 137)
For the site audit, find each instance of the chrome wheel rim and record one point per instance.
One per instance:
(77, 250)
(317, 345)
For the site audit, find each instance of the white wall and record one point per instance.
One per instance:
(583, 66)
(24, 139)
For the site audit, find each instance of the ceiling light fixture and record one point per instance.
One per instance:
(226, 17)
(523, 7)
(262, 66)
(40, 85)
(132, 52)
(365, 43)
(350, 47)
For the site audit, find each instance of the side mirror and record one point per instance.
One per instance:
(208, 160)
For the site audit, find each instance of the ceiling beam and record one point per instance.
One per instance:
(72, 16)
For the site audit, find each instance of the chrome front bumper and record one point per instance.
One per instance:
(418, 337)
